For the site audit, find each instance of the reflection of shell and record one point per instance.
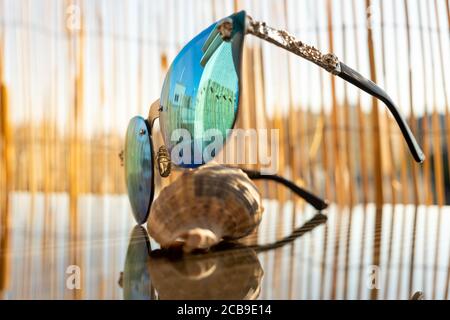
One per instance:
(227, 275)
(205, 205)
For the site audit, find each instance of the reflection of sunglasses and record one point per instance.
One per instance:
(201, 94)
(145, 275)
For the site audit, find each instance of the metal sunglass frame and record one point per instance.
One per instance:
(164, 167)
(328, 62)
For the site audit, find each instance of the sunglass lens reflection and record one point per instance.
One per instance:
(200, 95)
(138, 162)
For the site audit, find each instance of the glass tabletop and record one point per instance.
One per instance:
(55, 248)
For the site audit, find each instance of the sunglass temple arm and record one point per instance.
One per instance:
(332, 64)
(312, 199)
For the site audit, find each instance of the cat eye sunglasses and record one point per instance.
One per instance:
(201, 93)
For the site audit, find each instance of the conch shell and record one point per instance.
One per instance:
(224, 275)
(203, 206)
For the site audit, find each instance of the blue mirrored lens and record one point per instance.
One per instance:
(138, 162)
(200, 95)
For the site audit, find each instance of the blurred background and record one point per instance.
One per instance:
(72, 73)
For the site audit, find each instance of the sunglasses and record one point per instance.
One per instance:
(201, 94)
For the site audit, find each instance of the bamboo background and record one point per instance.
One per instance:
(72, 73)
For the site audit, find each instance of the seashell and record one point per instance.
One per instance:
(224, 275)
(233, 271)
(203, 206)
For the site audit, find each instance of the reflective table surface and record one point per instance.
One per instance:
(55, 249)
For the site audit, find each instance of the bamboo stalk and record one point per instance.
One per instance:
(425, 128)
(281, 122)
(349, 159)
(76, 58)
(340, 198)
(389, 253)
(47, 158)
(447, 4)
(403, 161)
(262, 120)
(7, 176)
(375, 122)
(294, 123)
(412, 254)
(443, 79)
(325, 160)
(402, 239)
(447, 286)
(439, 175)
(412, 117)
(436, 134)
(323, 118)
(391, 175)
(377, 157)
(311, 159)
(361, 122)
